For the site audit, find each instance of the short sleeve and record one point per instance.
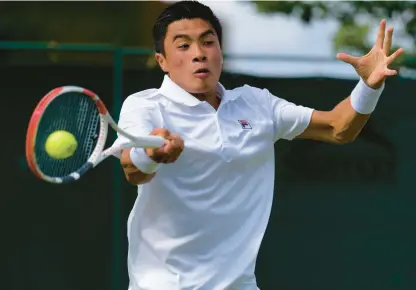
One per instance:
(138, 117)
(289, 120)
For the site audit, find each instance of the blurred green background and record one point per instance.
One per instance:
(343, 216)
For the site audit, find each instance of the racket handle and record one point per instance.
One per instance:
(149, 141)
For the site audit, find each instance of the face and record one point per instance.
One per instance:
(193, 57)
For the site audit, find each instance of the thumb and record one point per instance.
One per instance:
(160, 132)
(352, 60)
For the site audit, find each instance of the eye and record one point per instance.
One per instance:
(209, 42)
(183, 46)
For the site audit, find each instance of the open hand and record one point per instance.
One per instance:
(373, 67)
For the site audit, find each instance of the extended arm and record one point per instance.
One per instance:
(338, 126)
(345, 121)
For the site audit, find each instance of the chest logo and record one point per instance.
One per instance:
(244, 124)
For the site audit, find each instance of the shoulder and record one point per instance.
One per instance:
(248, 91)
(146, 97)
(143, 100)
(253, 94)
(264, 96)
(141, 107)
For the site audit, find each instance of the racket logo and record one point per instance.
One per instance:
(244, 124)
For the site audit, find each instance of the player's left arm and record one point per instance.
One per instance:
(345, 121)
(338, 126)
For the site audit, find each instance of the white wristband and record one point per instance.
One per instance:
(364, 99)
(142, 161)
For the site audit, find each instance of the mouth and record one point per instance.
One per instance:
(202, 73)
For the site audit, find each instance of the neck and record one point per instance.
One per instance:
(209, 97)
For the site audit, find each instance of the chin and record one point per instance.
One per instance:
(201, 90)
(202, 86)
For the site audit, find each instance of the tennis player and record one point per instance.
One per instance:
(205, 197)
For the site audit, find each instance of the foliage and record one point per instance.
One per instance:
(355, 18)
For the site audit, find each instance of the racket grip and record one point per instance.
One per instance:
(149, 142)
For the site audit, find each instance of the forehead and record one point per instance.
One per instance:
(192, 27)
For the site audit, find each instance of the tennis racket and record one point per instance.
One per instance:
(83, 114)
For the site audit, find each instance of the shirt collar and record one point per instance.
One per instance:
(176, 94)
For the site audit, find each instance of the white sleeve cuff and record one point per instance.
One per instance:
(302, 124)
(142, 161)
(364, 99)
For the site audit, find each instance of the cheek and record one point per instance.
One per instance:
(217, 61)
(176, 60)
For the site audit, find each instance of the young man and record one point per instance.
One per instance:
(205, 197)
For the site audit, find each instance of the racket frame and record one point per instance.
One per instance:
(98, 154)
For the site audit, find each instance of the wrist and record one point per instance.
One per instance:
(364, 99)
(142, 161)
(374, 86)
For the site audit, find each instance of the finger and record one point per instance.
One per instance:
(381, 34)
(165, 160)
(175, 154)
(173, 136)
(388, 41)
(390, 72)
(167, 149)
(177, 148)
(173, 148)
(158, 158)
(176, 139)
(164, 133)
(162, 155)
(394, 56)
(352, 60)
(160, 132)
(172, 158)
(172, 155)
(165, 142)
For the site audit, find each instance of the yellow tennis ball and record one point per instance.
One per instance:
(61, 144)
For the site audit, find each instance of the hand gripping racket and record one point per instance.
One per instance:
(83, 114)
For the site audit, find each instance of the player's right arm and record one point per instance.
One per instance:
(169, 153)
(140, 117)
(131, 172)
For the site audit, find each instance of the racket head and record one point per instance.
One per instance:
(78, 111)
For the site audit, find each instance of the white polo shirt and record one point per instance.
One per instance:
(199, 223)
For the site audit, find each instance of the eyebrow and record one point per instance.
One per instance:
(204, 34)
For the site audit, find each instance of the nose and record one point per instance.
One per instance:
(199, 55)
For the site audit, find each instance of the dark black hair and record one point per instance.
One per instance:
(183, 10)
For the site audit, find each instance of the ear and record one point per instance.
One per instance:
(161, 60)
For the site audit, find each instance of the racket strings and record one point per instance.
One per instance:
(89, 124)
(77, 114)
